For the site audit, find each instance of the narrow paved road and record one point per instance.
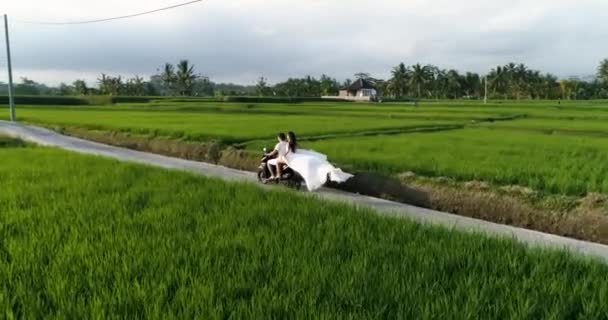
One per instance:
(388, 208)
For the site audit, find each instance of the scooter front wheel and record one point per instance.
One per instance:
(262, 176)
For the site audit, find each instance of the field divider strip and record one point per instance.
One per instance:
(401, 130)
(549, 131)
(369, 133)
(433, 128)
(383, 207)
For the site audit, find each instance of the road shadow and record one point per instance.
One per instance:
(386, 187)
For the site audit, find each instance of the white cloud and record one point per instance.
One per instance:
(239, 40)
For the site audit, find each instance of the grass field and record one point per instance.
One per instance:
(556, 148)
(226, 126)
(554, 163)
(85, 237)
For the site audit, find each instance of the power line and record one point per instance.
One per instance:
(109, 19)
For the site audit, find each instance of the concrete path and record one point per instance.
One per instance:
(388, 208)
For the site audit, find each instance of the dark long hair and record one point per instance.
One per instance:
(293, 142)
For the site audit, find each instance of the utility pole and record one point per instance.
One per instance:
(11, 97)
(485, 97)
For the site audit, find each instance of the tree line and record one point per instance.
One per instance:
(509, 81)
(170, 80)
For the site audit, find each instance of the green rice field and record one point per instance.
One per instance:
(555, 148)
(229, 127)
(85, 237)
(566, 164)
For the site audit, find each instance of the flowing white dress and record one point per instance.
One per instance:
(314, 168)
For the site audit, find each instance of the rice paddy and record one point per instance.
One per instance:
(87, 237)
(557, 148)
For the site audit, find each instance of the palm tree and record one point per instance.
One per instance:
(104, 83)
(419, 77)
(520, 80)
(499, 80)
(472, 84)
(168, 78)
(549, 85)
(383, 87)
(398, 84)
(453, 84)
(328, 85)
(510, 71)
(602, 71)
(116, 86)
(534, 83)
(80, 87)
(438, 82)
(110, 85)
(261, 88)
(564, 87)
(185, 77)
(136, 86)
(569, 88)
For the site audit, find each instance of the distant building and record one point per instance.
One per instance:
(360, 90)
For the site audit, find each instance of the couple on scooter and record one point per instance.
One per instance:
(287, 144)
(311, 165)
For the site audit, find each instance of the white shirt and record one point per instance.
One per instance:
(282, 148)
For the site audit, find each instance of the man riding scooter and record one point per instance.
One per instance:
(277, 158)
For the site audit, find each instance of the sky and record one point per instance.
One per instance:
(240, 40)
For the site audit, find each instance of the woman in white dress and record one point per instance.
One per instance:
(312, 166)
